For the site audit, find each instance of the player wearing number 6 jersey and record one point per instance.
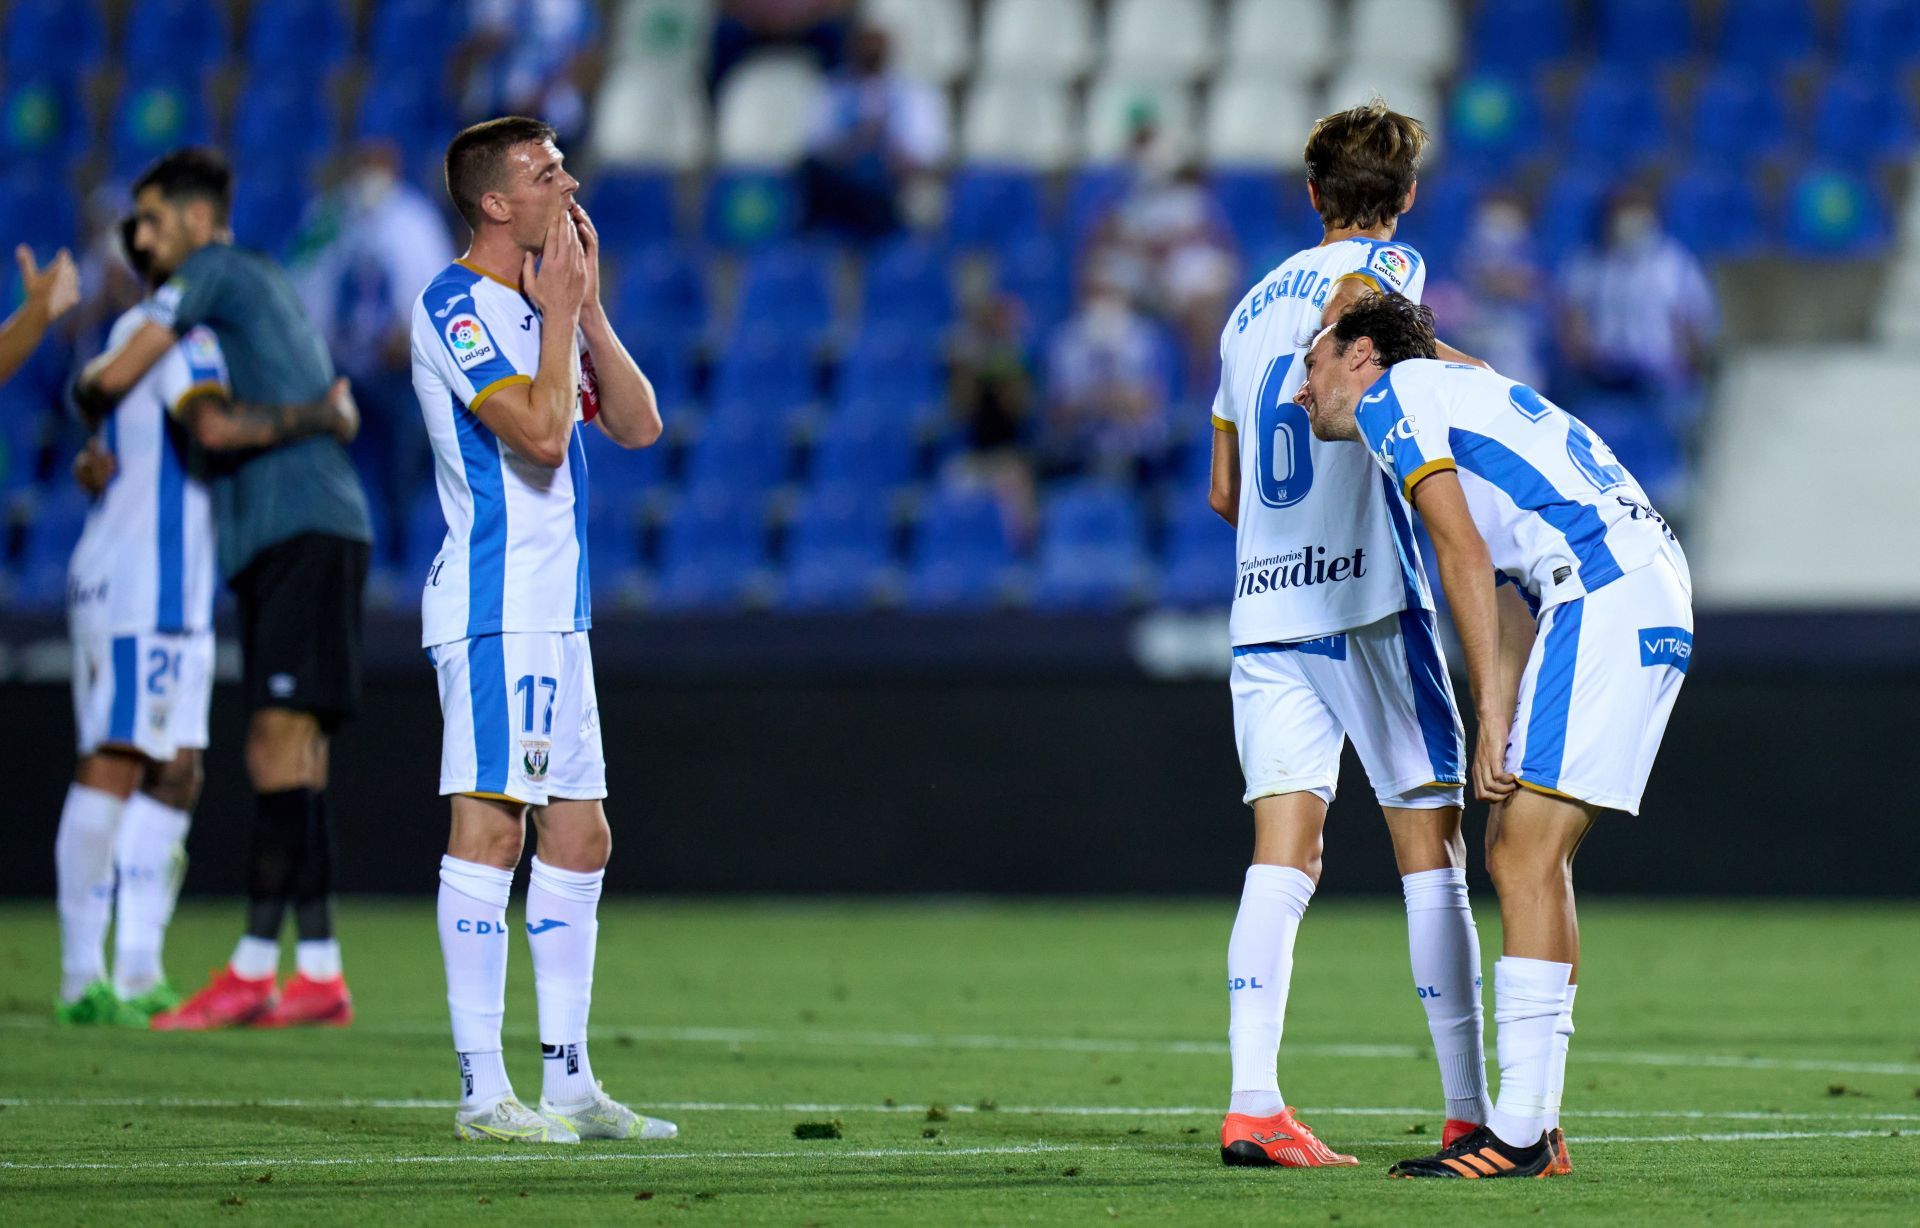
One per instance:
(1333, 637)
(1511, 485)
(511, 361)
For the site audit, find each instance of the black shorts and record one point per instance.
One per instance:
(300, 626)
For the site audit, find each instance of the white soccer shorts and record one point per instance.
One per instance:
(143, 692)
(1599, 686)
(1384, 685)
(521, 718)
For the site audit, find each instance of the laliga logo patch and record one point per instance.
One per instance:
(1393, 263)
(469, 340)
(534, 753)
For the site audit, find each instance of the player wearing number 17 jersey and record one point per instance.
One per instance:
(1333, 637)
(511, 362)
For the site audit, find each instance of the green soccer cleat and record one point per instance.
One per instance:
(162, 996)
(506, 1120)
(605, 1117)
(99, 1007)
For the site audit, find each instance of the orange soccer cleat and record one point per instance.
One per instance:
(305, 1000)
(1455, 1130)
(1280, 1141)
(229, 1001)
(1562, 1164)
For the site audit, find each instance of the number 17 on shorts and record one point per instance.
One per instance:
(521, 719)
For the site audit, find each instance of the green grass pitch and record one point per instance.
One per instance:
(1736, 1063)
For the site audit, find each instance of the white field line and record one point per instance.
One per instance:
(1012, 1110)
(828, 1152)
(1082, 1044)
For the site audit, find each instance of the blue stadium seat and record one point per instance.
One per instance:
(1038, 273)
(786, 286)
(36, 209)
(1091, 548)
(1198, 570)
(1442, 217)
(837, 548)
(961, 555)
(1493, 121)
(620, 475)
(1252, 202)
(766, 365)
(300, 39)
(424, 533)
(1645, 33)
(1712, 212)
(1093, 192)
(1860, 119)
(660, 287)
(157, 113)
(56, 37)
(737, 453)
(1633, 430)
(41, 574)
(874, 453)
(631, 207)
(407, 110)
(1616, 118)
(613, 546)
(745, 207)
(267, 211)
(281, 129)
(400, 28)
(1880, 36)
(710, 550)
(1766, 34)
(907, 285)
(994, 208)
(1572, 211)
(176, 36)
(1738, 117)
(1519, 36)
(42, 119)
(1834, 212)
(898, 363)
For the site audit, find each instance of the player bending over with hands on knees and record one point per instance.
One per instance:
(1514, 490)
(512, 359)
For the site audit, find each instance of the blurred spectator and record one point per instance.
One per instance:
(1638, 314)
(875, 136)
(1169, 228)
(367, 248)
(743, 27)
(1497, 310)
(990, 393)
(1106, 387)
(529, 57)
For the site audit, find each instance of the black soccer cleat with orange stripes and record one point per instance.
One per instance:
(1481, 1154)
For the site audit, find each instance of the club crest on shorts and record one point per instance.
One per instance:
(534, 754)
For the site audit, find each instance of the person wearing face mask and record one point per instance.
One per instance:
(875, 135)
(1106, 386)
(1638, 314)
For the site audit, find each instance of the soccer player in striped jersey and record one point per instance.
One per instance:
(1516, 491)
(1333, 638)
(512, 360)
(140, 612)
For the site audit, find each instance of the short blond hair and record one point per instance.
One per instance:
(1363, 162)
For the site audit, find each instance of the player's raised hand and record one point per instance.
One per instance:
(1491, 780)
(56, 287)
(94, 467)
(590, 246)
(558, 285)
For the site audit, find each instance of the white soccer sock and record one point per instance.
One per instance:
(318, 959)
(1557, 1074)
(149, 858)
(473, 945)
(1259, 970)
(1445, 951)
(254, 958)
(83, 869)
(1529, 996)
(563, 929)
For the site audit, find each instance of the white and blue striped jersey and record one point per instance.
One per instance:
(1561, 516)
(1323, 545)
(145, 559)
(515, 555)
